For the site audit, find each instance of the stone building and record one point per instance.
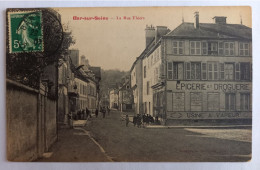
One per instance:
(198, 72)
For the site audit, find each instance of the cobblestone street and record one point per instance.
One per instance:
(107, 139)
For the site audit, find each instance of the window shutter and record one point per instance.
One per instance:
(170, 70)
(204, 71)
(221, 48)
(222, 71)
(210, 71)
(215, 68)
(188, 71)
(237, 71)
(204, 48)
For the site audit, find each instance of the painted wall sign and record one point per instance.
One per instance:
(208, 115)
(210, 86)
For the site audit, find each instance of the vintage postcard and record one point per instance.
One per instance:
(129, 84)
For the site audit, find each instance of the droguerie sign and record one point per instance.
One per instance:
(213, 86)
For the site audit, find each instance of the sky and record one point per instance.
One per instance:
(116, 43)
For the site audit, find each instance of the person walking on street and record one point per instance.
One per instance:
(126, 120)
(87, 112)
(96, 112)
(108, 110)
(104, 112)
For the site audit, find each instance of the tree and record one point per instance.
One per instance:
(26, 67)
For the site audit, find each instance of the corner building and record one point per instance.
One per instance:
(209, 71)
(204, 73)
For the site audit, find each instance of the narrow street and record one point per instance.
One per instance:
(108, 139)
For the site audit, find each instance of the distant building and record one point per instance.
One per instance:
(113, 98)
(74, 56)
(125, 96)
(198, 71)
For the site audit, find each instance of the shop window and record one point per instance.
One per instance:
(244, 101)
(196, 101)
(178, 101)
(230, 101)
(178, 71)
(229, 48)
(178, 47)
(245, 71)
(213, 101)
(213, 71)
(195, 48)
(229, 71)
(175, 101)
(243, 49)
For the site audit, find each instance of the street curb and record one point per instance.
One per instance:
(200, 127)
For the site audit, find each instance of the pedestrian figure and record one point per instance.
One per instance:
(126, 120)
(87, 112)
(134, 120)
(78, 114)
(139, 120)
(108, 110)
(104, 112)
(96, 113)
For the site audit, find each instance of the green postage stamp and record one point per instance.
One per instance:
(25, 31)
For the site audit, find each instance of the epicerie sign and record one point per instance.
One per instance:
(213, 86)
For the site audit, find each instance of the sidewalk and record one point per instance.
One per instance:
(199, 126)
(75, 145)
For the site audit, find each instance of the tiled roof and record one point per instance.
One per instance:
(207, 30)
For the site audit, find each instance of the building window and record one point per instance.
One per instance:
(178, 71)
(178, 47)
(229, 71)
(244, 71)
(243, 49)
(213, 101)
(213, 48)
(229, 48)
(144, 71)
(195, 48)
(195, 71)
(170, 70)
(212, 71)
(148, 88)
(230, 101)
(244, 101)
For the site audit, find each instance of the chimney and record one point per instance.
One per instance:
(149, 34)
(196, 22)
(220, 20)
(161, 31)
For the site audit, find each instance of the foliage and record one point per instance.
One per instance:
(27, 67)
